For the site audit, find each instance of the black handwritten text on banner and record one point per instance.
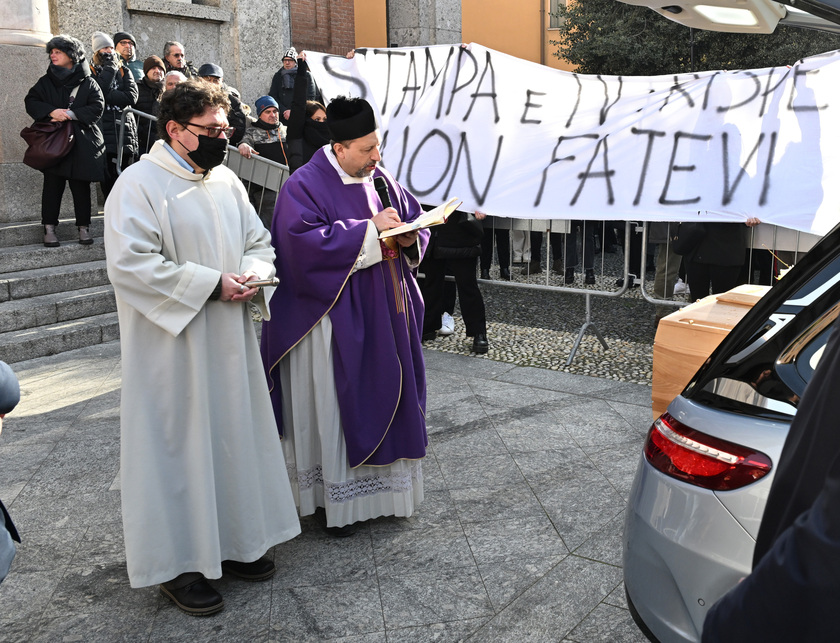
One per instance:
(517, 139)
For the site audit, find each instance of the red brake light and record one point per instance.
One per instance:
(700, 459)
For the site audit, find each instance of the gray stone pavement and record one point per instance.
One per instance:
(519, 538)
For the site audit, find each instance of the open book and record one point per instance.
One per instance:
(426, 220)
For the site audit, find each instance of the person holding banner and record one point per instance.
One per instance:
(342, 351)
(714, 266)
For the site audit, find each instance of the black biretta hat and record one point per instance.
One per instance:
(350, 118)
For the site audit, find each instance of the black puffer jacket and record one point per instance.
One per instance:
(148, 102)
(303, 135)
(724, 244)
(458, 238)
(283, 89)
(120, 91)
(86, 161)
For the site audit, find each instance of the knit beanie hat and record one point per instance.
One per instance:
(350, 118)
(153, 61)
(9, 385)
(124, 35)
(74, 48)
(100, 41)
(264, 102)
(291, 52)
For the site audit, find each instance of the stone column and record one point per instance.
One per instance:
(24, 32)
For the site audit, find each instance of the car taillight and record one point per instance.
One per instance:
(700, 459)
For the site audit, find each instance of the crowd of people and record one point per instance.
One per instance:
(207, 488)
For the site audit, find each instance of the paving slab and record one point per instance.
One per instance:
(518, 538)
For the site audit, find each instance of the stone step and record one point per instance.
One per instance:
(55, 308)
(32, 232)
(32, 257)
(45, 281)
(20, 345)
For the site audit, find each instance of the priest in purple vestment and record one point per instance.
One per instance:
(342, 351)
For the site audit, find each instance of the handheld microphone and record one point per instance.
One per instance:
(381, 188)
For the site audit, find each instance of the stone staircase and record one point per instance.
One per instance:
(53, 299)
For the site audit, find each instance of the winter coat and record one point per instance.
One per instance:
(236, 117)
(724, 244)
(86, 161)
(148, 102)
(283, 89)
(267, 140)
(303, 135)
(458, 238)
(120, 91)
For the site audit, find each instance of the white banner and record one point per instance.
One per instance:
(517, 139)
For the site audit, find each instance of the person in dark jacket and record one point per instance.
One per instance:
(307, 131)
(175, 59)
(67, 92)
(283, 85)
(126, 47)
(264, 137)
(717, 259)
(120, 91)
(792, 591)
(236, 116)
(149, 91)
(455, 247)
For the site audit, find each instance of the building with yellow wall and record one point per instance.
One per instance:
(522, 30)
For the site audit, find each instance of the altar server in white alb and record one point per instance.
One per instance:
(204, 484)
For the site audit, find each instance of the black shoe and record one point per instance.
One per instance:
(590, 276)
(480, 344)
(504, 273)
(427, 337)
(193, 594)
(610, 249)
(259, 570)
(570, 276)
(336, 532)
(532, 268)
(633, 284)
(485, 274)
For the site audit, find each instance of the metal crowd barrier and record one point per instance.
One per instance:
(262, 177)
(562, 244)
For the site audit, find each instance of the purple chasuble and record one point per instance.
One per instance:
(318, 232)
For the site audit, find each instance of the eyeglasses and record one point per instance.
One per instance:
(125, 43)
(213, 131)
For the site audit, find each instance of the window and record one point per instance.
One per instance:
(554, 20)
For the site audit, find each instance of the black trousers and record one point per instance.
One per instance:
(51, 199)
(434, 293)
(721, 278)
(502, 248)
(111, 175)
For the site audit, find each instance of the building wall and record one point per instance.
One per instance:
(371, 23)
(522, 31)
(245, 37)
(413, 23)
(327, 26)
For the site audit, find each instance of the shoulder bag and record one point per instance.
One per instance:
(49, 141)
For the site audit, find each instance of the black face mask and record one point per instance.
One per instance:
(209, 153)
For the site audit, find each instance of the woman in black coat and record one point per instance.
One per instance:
(120, 91)
(67, 92)
(307, 131)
